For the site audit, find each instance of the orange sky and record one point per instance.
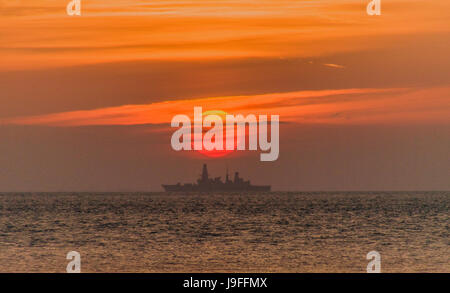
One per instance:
(39, 33)
(363, 100)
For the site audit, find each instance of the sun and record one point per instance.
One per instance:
(216, 153)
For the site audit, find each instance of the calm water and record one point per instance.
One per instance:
(278, 232)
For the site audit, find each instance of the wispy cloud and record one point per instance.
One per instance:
(42, 35)
(334, 65)
(325, 106)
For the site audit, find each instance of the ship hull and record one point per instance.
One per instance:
(193, 188)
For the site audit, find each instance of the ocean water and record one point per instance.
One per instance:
(276, 232)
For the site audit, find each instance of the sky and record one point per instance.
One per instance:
(86, 101)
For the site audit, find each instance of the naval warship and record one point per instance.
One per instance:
(206, 184)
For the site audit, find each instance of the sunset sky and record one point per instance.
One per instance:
(86, 101)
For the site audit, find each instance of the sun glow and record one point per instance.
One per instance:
(215, 134)
(217, 153)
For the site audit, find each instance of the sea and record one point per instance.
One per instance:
(279, 232)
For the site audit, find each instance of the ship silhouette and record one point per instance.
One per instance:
(206, 184)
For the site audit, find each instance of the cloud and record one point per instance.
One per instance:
(353, 106)
(334, 65)
(174, 30)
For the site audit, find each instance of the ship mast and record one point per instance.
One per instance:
(205, 175)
